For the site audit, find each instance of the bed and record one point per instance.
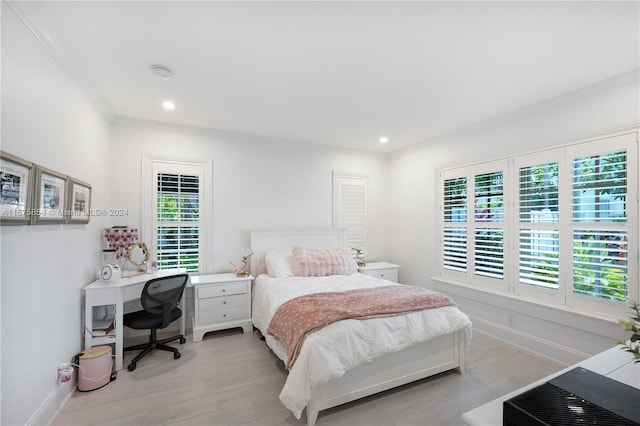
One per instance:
(343, 361)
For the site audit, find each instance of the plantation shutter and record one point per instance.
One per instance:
(538, 233)
(455, 217)
(350, 209)
(489, 229)
(177, 226)
(568, 235)
(600, 234)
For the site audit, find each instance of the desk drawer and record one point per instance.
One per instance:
(221, 290)
(222, 315)
(102, 296)
(133, 291)
(226, 302)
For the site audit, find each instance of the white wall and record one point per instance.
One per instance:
(46, 119)
(413, 189)
(257, 182)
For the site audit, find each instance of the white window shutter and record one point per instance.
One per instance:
(454, 220)
(186, 230)
(538, 220)
(350, 209)
(177, 222)
(488, 249)
(600, 236)
(568, 237)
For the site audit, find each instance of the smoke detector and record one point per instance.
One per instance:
(163, 72)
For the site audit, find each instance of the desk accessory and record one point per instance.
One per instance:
(109, 271)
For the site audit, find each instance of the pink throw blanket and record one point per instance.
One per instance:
(297, 318)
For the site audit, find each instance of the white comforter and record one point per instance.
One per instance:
(330, 352)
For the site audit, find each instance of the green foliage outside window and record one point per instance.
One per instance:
(178, 233)
(600, 272)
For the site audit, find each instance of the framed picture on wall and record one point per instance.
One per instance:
(51, 196)
(79, 201)
(16, 193)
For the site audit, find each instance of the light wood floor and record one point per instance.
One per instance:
(232, 378)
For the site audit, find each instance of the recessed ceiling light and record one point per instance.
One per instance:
(168, 105)
(161, 71)
(384, 139)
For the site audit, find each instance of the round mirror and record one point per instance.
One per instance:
(138, 254)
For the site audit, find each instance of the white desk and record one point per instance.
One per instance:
(613, 363)
(116, 292)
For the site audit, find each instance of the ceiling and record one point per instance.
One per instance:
(336, 73)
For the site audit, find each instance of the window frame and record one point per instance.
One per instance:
(527, 160)
(628, 143)
(152, 165)
(469, 277)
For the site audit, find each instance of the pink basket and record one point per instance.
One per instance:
(95, 368)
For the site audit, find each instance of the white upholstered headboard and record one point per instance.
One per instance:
(283, 239)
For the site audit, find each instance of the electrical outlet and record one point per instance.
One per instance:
(511, 320)
(65, 371)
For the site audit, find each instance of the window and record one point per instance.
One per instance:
(474, 250)
(488, 249)
(455, 219)
(177, 225)
(570, 224)
(538, 223)
(177, 206)
(600, 211)
(350, 209)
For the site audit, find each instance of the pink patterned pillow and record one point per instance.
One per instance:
(309, 262)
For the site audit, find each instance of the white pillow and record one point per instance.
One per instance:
(279, 264)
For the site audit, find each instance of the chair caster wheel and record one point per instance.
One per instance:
(131, 366)
(176, 355)
(183, 340)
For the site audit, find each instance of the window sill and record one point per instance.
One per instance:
(594, 322)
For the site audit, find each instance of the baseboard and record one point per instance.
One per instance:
(52, 405)
(528, 342)
(564, 335)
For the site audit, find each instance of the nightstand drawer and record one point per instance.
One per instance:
(385, 274)
(381, 270)
(221, 290)
(222, 315)
(226, 302)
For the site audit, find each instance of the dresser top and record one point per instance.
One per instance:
(218, 278)
(378, 265)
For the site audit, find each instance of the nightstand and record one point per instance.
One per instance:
(221, 301)
(383, 270)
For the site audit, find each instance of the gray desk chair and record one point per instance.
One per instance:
(160, 298)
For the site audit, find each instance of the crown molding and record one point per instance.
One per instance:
(26, 12)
